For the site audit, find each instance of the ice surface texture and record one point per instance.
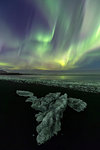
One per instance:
(51, 108)
(77, 104)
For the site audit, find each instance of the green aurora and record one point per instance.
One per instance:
(49, 34)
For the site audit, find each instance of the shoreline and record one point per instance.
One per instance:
(90, 87)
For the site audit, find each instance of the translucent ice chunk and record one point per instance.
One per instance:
(24, 93)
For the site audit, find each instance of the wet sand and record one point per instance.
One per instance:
(80, 131)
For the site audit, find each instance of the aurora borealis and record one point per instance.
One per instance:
(49, 34)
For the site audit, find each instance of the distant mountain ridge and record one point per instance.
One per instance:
(2, 72)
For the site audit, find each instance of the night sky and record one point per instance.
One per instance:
(49, 34)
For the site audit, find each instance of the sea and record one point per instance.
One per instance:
(68, 77)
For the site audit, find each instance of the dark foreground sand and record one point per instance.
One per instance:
(80, 131)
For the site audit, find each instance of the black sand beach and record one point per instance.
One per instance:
(80, 131)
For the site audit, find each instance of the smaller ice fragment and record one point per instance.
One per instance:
(77, 104)
(24, 93)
